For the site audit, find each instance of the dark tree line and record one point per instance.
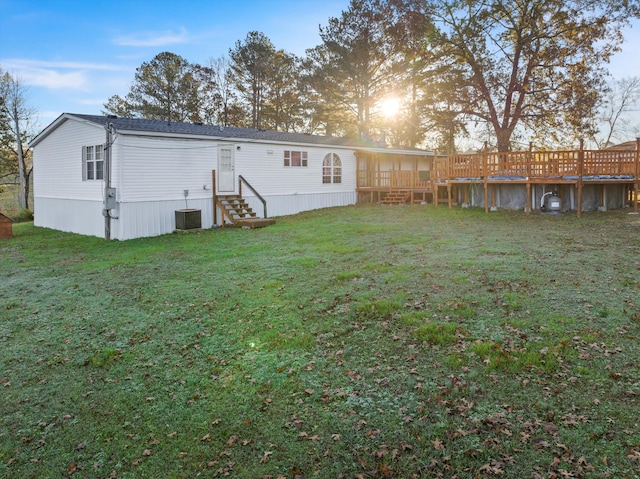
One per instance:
(515, 69)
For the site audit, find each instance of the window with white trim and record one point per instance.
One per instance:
(331, 169)
(93, 162)
(295, 158)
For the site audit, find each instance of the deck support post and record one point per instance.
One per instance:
(527, 203)
(485, 177)
(580, 173)
(486, 197)
(449, 195)
(636, 184)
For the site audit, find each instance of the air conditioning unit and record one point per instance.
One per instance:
(188, 219)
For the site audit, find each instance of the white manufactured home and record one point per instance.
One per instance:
(124, 178)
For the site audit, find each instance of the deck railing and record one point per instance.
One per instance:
(393, 179)
(545, 164)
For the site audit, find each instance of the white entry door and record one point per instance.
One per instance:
(226, 169)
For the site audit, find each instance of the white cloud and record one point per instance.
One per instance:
(56, 80)
(25, 64)
(152, 39)
(56, 75)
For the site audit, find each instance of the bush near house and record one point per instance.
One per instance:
(363, 341)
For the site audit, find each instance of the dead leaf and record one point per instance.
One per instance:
(206, 437)
(265, 456)
(438, 444)
(385, 470)
(633, 456)
(146, 452)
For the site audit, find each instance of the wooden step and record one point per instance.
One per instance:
(255, 222)
(396, 198)
(239, 213)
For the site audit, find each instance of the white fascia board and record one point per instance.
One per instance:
(56, 123)
(231, 139)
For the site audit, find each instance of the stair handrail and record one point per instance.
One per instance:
(242, 179)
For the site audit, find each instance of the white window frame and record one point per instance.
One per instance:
(296, 159)
(331, 169)
(93, 163)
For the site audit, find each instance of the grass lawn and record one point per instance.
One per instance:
(360, 342)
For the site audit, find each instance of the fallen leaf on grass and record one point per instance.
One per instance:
(384, 470)
(146, 452)
(438, 444)
(265, 457)
(633, 456)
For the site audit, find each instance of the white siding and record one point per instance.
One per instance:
(62, 200)
(71, 215)
(57, 163)
(157, 169)
(150, 175)
(281, 205)
(263, 166)
(140, 219)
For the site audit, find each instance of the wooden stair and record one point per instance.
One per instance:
(236, 209)
(396, 197)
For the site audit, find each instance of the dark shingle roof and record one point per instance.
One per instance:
(196, 129)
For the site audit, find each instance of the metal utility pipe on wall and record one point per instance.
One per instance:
(106, 211)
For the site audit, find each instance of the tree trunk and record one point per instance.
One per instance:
(503, 137)
(24, 186)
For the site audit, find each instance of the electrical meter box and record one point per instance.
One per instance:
(110, 199)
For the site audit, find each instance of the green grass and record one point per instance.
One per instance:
(349, 342)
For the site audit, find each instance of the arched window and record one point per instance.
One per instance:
(332, 169)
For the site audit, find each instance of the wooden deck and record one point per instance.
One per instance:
(398, 179)
(577, 167)
(379, 185)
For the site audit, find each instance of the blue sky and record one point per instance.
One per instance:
(75, 54)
